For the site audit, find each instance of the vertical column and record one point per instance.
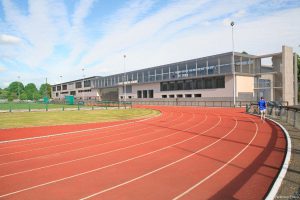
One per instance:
(218, 65)
(206, 69)
(196, 68)
(287, 75)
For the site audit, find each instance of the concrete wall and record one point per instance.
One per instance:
(218, 93)
(288, 74)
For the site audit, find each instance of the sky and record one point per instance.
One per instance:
(65, 40)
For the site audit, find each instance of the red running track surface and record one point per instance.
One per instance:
(184, 153)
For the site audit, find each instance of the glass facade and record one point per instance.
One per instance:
(216, 65)
(194, 84)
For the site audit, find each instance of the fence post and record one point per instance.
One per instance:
(46, 107)
(29, 109)
(63, 108)
(10, 108)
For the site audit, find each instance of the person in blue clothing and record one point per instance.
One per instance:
(262, 104)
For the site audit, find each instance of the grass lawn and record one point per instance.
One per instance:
(26, 106)
(30, 119)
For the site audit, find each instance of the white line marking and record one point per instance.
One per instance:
(158, 169)
(74, 132)
(83, 158)
(114, 164)
(284, 167)
(48, 155)
(62, 139)
(219, 169)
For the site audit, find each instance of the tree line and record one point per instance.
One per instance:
(17, 90)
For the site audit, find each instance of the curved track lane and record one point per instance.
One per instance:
(185, 153)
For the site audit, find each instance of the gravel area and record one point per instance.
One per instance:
(290, 188)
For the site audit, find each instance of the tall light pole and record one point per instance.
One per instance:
(83, 84)
(233, 66)
(19, 87)
(60, 85)
(125, 79)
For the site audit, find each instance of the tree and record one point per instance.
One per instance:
(30, 91)
(3, 94)
(45, 90)
(15, 89)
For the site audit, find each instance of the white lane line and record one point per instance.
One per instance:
(219, 169)
(74, 137)
(84, 158)
(158, 169)
(272, 194)
(74, 132)
(114, 164)
(53, 154)
(80, 141)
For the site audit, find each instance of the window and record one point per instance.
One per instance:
(87, 83)
(171, 96)
(188, 96)
(164, 86)
(73, 93)
(56, 94)
(145, 94)
(188, 85)
(179, 95)
(64, 87)
(78, 85)
(163, 96)
(58, 88)
(53, 88)
(197, 95)
(139, 94)
(150, 92)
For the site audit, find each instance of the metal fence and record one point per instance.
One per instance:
(179, 102)
(287, 114)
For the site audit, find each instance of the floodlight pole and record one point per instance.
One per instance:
(83, 84)
(60, 85)
(125, 79)
(233, 67)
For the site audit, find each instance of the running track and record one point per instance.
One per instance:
(184, 153)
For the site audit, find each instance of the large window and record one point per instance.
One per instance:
(139, 94)
(192, 84)
(78, 85)
(87, 83)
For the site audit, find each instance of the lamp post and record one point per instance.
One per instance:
(83, 84)
(233, 66)
(19, 87)
(125, 79)
(60, 85)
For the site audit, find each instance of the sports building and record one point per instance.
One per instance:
(211, 78)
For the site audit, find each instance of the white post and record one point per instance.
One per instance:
(125, 79)
(233, 67)
(60, 86)
(83, 84)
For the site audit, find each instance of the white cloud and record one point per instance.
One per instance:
(148, 34)
(9, 39)
(2, 69)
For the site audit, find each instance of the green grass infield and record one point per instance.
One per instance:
(31, 119)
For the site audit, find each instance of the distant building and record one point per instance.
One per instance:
(208, 78)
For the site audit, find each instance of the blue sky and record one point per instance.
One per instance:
(42, 39)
